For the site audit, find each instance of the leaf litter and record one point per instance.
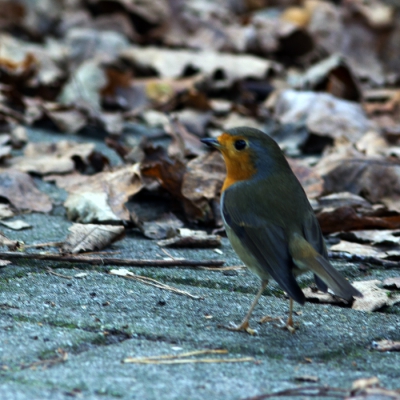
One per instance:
(320, 77)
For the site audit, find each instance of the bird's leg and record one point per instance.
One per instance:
(289, 323)
(244, 326)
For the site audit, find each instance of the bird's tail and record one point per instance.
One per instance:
(307, 258)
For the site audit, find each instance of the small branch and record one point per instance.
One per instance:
(308, 391)
(110, 261)
(124, 273)
(50, 271)
(341, 255)
(182, 358)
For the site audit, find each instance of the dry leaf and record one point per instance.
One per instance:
(347, 219)
(101, 197)
(54, 158)
(168, 172)
(171, 63)
(91, 237)
(374, 297)
(201, 187)
(322, 114)
(20, 190)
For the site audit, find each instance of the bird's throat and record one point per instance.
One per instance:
(238, 170)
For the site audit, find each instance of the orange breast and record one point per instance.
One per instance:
(239, 164)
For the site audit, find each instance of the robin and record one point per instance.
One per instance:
(269, 220)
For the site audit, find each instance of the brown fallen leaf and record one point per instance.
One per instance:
(171, 63)
(89, 237)
(54, 158)
(347, 219)
(374, 297)
(201, 187)
(190, 238)
(100, 197)
(359, 249)
(20, 190)
(375, 178)
(386, 345)
(168, 172)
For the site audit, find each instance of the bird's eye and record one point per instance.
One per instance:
(240, 144)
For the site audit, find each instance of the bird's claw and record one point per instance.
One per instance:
(243, 327)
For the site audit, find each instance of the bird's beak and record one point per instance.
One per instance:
(211, 142)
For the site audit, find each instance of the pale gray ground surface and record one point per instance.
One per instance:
(101, 319)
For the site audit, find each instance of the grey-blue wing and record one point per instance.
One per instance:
(268, 244)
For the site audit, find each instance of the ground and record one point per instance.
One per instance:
(101, 319)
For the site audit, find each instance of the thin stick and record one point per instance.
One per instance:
(50, 271)
(110, 261)
(308, 391)
(197, 360)
(152, 282)
(48, 244)
(173, 356)
(182, 358)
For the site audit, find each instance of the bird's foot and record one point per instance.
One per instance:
(243, 327)
(288, 326)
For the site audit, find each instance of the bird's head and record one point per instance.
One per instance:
(247, 152)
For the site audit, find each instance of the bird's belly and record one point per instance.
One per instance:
(248, 259)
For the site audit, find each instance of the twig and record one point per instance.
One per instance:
(151, 282)
(199, 360)
(48, 244)
(168, 254)
(182, 358)
(50, 271)
(233, 268)
(341, 255)
(309, 391)
(110, 261)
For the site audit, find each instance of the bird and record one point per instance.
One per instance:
(269, 220)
